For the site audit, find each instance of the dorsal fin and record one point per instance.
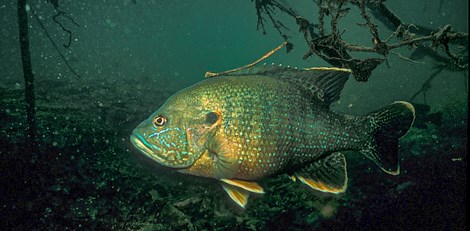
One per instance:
(326, 83)
(319, 83)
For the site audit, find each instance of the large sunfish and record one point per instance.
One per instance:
(247, 125)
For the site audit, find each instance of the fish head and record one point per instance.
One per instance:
(176, 134)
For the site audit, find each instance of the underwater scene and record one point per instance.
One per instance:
(233, 115)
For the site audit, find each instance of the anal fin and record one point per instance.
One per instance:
(327, 175)
(238, 195)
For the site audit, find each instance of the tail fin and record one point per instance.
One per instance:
(389, 125)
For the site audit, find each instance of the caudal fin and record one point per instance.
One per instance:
(389, 125)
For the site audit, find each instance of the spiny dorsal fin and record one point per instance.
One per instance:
(327, 175)
(323, 84)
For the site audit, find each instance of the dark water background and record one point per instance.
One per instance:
(131, 56)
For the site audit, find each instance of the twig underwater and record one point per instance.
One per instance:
(38, 20)
(334, 50)
(55, 4)
(28, 74)
(212, 74)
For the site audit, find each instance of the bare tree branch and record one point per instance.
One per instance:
(334, 50)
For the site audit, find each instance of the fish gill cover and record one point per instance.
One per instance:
(78, 77)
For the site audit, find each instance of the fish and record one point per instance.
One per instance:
(247, 125)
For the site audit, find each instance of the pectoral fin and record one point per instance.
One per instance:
(238, 195)
(246, 185)
(327, 175)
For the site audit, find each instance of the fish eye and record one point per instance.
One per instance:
(159, 121)
(212, 117)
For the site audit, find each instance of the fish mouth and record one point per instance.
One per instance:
(159, 155)
(142, 145)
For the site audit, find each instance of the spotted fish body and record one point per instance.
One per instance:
(252, 124)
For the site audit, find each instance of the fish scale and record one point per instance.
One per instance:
(258, 159)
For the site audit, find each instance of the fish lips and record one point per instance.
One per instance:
(147, 149)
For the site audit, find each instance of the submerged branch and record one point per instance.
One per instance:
(334, 50)
(213, 74)
(28, 74)
(55, 4)
(426, 85)
(55, 45)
